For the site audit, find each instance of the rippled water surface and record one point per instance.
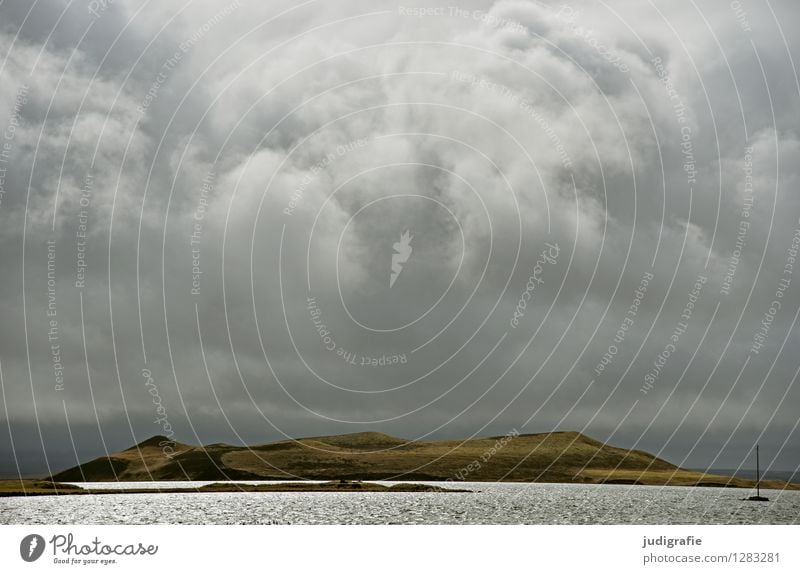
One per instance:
(487, 504)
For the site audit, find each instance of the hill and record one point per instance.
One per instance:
(548, 457)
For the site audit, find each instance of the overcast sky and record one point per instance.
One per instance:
(238, 222)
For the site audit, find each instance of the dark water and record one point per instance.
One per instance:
(488, 504)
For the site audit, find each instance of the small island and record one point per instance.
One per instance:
(50, 488)
(340, 463)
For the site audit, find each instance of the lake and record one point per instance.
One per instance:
(490, 503)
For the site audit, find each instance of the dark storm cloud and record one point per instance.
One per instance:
(236, 177)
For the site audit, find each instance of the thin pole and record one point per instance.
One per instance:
(758, 475)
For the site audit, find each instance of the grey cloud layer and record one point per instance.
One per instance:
(265, 154)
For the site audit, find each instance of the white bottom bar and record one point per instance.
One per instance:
(390, 549)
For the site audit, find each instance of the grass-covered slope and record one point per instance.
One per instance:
(549, 457)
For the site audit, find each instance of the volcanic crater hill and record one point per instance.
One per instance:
(548, 457)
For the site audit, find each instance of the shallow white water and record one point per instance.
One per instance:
(489, 503)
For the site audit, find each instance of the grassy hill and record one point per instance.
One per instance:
(549, 457)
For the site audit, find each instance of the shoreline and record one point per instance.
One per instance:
(23, 488)
(44, 487)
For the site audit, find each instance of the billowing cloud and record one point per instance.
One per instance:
(592, 209)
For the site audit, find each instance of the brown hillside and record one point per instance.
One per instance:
(547, 457)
